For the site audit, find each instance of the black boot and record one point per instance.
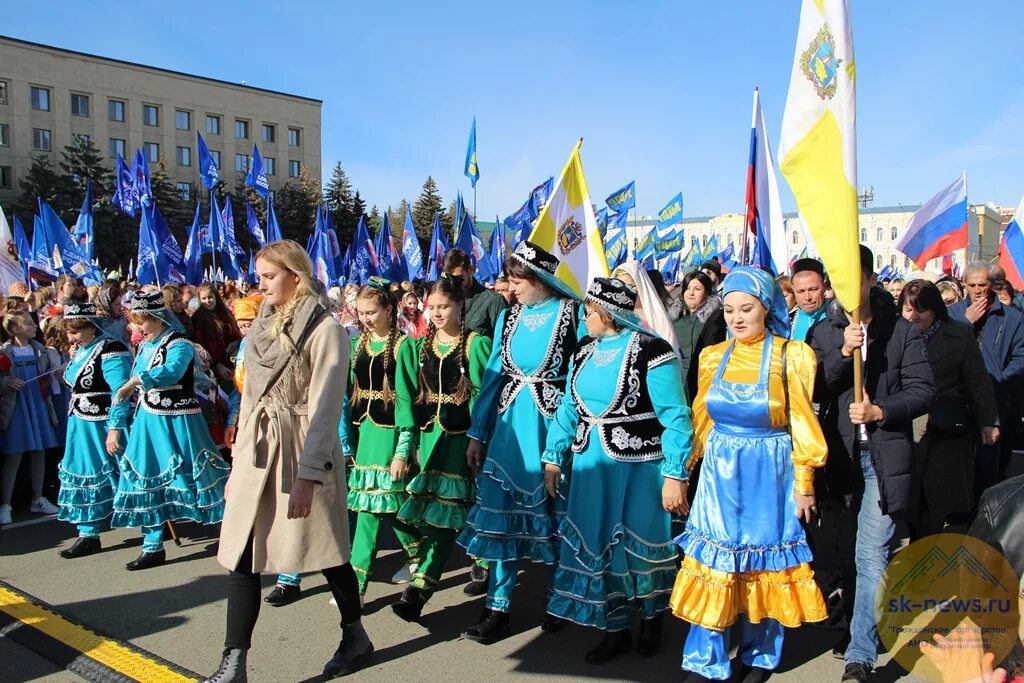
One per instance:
(649, 640)
(479, 577)
(410, 607)
(756, 674)
(283, 595)
(493, 627)
(353, 652)
(613, 644)
(81, 548)
(232, 667)
(552, 624)
(147, 560)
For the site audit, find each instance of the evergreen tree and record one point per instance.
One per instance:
(396, 217)
(295, 205)
(448, 222)
(427, 205)
(176, 211)
(374, 221)
(43, 181)
(338, 197)
(358, 209)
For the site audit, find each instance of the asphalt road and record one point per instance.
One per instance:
(177, 612)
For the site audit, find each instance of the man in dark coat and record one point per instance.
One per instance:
(482, 304)
(999, 330)
(868, 475)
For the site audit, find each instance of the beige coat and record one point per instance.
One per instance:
(288, 429)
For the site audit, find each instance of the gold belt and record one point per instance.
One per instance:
(370, 395)
(451, 399)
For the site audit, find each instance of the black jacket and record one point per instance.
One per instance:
(898, 379)
(1000, 520)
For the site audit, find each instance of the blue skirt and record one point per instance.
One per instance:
(88, 476)
(30, 428)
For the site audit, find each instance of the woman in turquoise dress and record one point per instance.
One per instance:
(96, 428)
(746, 572)
(623, 429)
(170, 468)
(514, 519)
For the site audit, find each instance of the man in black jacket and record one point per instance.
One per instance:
(868, 473)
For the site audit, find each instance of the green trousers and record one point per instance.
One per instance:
(364, 545)
(435, 548)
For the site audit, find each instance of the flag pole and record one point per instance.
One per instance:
(213, 254)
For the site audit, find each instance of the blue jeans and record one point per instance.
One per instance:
(874, 538)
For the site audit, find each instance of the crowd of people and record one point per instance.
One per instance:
(693, 449)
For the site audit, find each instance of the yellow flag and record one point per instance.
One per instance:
(568, 229)
(818, 147)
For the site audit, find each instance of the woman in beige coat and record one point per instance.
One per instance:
(285, 509)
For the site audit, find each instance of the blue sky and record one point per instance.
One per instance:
(660, 91)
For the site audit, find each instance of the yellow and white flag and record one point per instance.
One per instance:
(818, 147)
(10, 266)
(568, 229)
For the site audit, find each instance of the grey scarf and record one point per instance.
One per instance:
(265, 357)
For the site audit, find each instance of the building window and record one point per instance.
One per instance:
(183, 156)
(182, 120)
(79, 105)
(293, 169)
(241, 129)
(270, 165)
(878, 235)
(40, 99)
(41, 139)
(863, 235)
(212, 124)
(152, 152)
(215, 155)
(796, 237)
(895, 233)
(906, 262)
(117, 147)
(150, 115)
(893, 260)
(115, 110)
(5, 135)
(241, 163)
(269, 132)
(3, 92)
(185, 191)
(878, 262)
(294, 137)
(5, 177)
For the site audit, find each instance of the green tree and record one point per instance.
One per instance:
(374, 220)
(167, 198)
(296, 204)
(43, 181)
(426, 206)
(396, 217)
(358, 207)
(339, 199)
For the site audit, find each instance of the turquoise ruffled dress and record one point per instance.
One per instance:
(617, 552)
(88, 475)
(171, 468)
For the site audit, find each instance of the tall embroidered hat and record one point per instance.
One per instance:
(543, 264)
(80, 311)
(147, 302)
(619, 299)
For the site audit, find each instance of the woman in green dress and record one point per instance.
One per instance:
(433, 401)
(381, 472)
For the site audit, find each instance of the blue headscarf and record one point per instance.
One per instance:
(762, 286)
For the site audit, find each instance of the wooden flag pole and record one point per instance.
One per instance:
(174, 533)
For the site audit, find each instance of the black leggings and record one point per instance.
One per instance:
(244, 598)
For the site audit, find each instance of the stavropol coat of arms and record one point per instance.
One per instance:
(820, 65)
(570, 235)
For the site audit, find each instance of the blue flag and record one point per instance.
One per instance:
(472, 171)
(346, 266)
(498, 247)
(207, 169)
(319, 250)
(212, 237)
(141, 191)
(387, 259)
(57, 247)
(438, 248)
(151, 267)
(615, 242)
(250, 273)
(194, 251)
(273, 228)
(167, 245)
(670, 268)
(253, 223)
(256, 178)
(539, 197)
(123, 198)
(84, 225)
(623, 199)
(411, 253)
(228, 248)
(364, 256)
(469, 241)
(21, 246)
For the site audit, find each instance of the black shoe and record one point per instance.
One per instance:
(492, 628)
(410, 607)
(613, 644)
(283, 595)
(756, 674)
(232, 668)
(353, 653)
(552, 624)
(839, 651)
(856, 672)
(649, 640)
(81, 548)
(147, 560)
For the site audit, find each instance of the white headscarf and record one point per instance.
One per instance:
(652, 307)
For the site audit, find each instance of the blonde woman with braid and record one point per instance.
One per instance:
(286, 508)
(434, 403)
(381, 473)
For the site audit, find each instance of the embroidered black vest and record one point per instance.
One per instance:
(91, 397)
(628, 428)
(368, 387)
(442, 379)
(547, 382)
(177, 399)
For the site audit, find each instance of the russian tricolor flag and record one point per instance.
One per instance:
(939, 227)
(764, 210)
(1011, 249)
